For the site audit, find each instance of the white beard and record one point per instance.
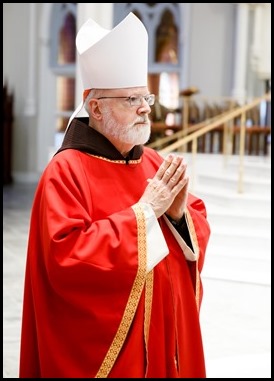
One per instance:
(131, 133)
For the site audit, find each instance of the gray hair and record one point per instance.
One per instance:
(94, 93)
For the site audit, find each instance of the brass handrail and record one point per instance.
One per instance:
(203, 128)
(180, 134)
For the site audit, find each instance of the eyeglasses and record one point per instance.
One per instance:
(136, 100)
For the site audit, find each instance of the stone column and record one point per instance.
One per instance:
(240, 61)
(30, 103)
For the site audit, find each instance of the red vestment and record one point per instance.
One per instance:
(90, 307)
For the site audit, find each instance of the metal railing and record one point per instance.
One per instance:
(192, 133)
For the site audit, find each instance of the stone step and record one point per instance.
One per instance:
(253, 168)
(229, 182)
(232, 221)
(240, 245)
(253, 226)
(238, 269)
(221, 161)
(258, 167)
(249, 204)
(239, 248)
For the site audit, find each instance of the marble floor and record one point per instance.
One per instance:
(235, 316)
(17, 200)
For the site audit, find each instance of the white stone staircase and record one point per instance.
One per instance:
(236, 308)
(239, 246)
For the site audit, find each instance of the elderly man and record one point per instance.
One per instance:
(116, 242)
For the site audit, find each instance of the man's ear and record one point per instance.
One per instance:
(95, 109)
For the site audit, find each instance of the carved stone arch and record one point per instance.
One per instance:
(46, 98)
(164, 70)
(48, 72)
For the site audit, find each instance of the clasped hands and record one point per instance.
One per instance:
(166, 192)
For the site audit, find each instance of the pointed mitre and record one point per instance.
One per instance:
(116, 58)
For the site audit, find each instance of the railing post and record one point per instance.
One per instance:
(241, 152)
(185, 116)
(193, 164)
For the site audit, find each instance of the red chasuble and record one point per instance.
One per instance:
(90, 308)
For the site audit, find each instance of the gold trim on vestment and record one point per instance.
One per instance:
(133, 299)
(148, 306)
(116, 161)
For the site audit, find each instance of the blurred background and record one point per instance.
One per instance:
(223, 50)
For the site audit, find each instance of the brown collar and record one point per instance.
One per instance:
(82, 137)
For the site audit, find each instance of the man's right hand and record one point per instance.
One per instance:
(167, 183)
